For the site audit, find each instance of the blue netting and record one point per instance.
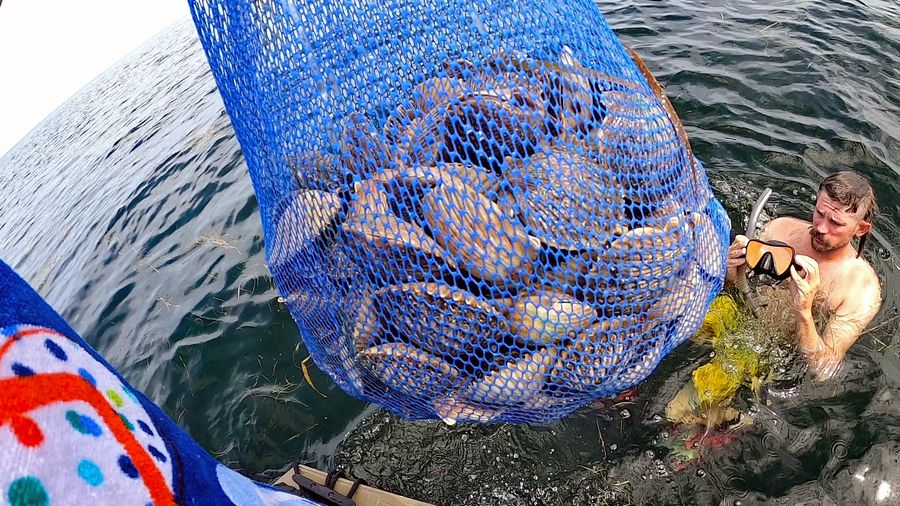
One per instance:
(475, 210)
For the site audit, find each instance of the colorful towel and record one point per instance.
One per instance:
(73, 431)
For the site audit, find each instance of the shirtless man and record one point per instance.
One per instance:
(845, 208)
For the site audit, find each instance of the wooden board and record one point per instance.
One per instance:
(364, 496)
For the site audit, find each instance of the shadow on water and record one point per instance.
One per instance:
(131, 210)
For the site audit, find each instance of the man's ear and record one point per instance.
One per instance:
(862, 228)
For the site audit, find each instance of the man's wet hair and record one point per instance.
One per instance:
(853, 190)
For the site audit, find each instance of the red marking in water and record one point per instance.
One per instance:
(713, 440)
(18, 396)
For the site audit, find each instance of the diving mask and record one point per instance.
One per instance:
(773, 258)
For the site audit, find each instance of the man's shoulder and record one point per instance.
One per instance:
(788, 222)
(861, 274)
(783, 226)
(861, 286)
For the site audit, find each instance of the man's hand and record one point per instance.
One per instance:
(804, 288)
(736, 257)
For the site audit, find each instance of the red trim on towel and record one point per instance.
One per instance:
(20, 395)
(24, 333)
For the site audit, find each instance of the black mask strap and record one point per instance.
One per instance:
(862, 243)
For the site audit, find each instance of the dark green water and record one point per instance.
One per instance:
(131, 210)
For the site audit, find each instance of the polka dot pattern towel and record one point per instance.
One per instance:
(72, 431)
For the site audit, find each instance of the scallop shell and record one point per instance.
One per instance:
(451, 410)
(647, 256)
(484, 127)
(579, 274)
(684, 303)
(487, 242)
(681, 297)
(570, 92)
(459, 69)
(637, 133)
(565, 200)
(306, 217)
(348, 375)
(431, 176)
(597, 355)
(414, 125)
(549, 316)
(670, 112)
(393, 250)
(367, 328)
(444, 320)
(422, 139)
(567, 63)
(408, 186)
(409, 370)
(572, 99)
(643, 359)
(709, 248)
(640, 145)
(517, 382)
(435, 93)
(317, 170)
(364, 151)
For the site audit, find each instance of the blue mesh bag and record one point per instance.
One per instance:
(477, 211)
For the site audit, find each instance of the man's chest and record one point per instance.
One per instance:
(833, 285)
(833, 288)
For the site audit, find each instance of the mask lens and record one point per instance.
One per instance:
(755, 252)
(781, 256)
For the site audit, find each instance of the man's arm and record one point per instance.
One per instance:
(826, 352)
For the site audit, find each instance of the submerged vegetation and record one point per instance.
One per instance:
(742, 357)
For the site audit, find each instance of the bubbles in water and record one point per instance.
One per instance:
(661, 467)
(839, 450)
(771, 442)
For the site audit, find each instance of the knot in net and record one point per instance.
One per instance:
(475, 210)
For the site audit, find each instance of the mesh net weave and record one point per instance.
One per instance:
(474, 210)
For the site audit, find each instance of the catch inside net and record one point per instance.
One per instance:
(476, 211)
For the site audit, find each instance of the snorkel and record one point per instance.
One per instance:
(750, 296)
